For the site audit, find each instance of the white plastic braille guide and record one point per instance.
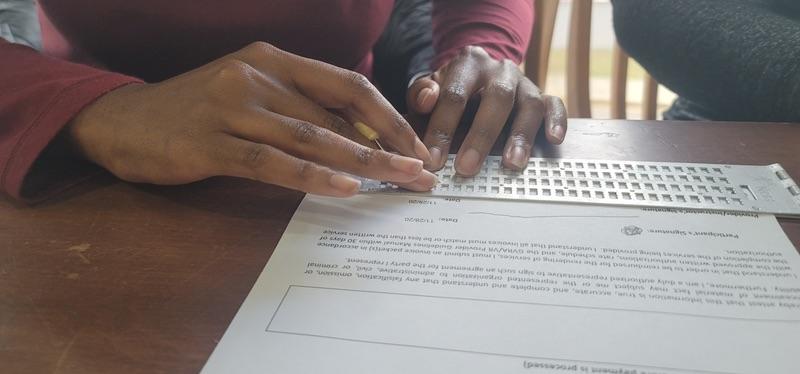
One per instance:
(742, 188)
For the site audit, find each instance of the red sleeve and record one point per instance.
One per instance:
(38, 96)
(501, 27)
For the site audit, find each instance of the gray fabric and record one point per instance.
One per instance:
(404, 50)
(732, 60)
(19, 23)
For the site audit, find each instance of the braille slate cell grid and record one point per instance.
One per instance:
(762, 189)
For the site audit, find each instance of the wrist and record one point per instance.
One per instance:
(90, 133)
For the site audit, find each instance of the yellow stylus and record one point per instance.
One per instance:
(368, 133)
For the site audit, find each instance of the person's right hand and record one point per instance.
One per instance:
(259, 113)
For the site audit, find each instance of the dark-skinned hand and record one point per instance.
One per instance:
(506, 96)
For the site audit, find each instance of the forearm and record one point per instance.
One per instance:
(737, 57)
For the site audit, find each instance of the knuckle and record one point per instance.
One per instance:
(482, 132)
(254, 156)
(401, 126)
(359, 82)
(305, 132)
(335, 124)
(365, 155)
(305, 171)
(234, 65)
(234, 71)
(260, 47)
(455, 95)
(500, 89)
(442, 137)
(520, 137)
(532, 98)
(474, 51)
(510, 65)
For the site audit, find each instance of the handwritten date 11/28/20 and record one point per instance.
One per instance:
(430, 220)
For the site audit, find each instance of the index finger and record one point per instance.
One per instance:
(456, 89)
(353, 92)
(313, 143)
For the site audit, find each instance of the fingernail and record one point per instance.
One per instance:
(559, 132)
(425, 182)
(406, 165)
(422, 151)
(436, 157)
(468, 163)
(517, 157)
(423, 96)
(427, 179)
(345, 184)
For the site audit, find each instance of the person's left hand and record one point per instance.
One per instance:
(506, 96)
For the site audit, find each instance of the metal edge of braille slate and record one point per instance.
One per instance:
(787, 182)
(697, 186)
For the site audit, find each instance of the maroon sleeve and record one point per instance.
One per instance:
(501, 27)
(38, 96)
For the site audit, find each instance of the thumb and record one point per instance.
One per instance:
(422, 95)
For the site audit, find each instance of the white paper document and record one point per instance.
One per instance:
(408, 284)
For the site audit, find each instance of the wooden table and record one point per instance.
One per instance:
(116, 277)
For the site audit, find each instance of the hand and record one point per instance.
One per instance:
(259, 113)
(505, 93)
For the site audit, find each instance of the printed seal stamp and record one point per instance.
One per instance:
(632, 230)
